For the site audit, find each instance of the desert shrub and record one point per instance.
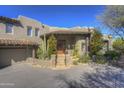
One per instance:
(75, 62)
(101, 62)
(84, 59)
(41, 54)
(96, 42)
(100, 59)
(52, 45)
(118, 45)
(112, 55)
(75, 51)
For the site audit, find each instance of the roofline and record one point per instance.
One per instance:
(9, 20)
(29, 18)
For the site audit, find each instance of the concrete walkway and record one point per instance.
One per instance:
(25, 76)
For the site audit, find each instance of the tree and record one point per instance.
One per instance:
(41, 52)
(113, 18)
(42, 49)
(118, 45)
(52, 45)
(96, 42)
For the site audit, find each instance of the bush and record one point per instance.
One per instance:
(112, 55)
(101, 62)
(52, 45)
(41, 54)
(96, 42)
(100, 59)
(118, 45)
(84, 59)
(75, 62)
(76, 51)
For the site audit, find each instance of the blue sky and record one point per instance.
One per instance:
(62, 16)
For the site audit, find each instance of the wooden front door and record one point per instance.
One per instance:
(61, 46)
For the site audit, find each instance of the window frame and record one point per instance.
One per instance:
(7, 29)
(37, 34)
(31, 33)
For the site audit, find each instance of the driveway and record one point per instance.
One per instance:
(23, 75)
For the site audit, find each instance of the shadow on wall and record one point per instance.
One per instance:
(100, 79)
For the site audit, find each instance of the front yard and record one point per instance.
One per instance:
(85, 75)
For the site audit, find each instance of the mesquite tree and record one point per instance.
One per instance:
(96, 42)
(113, 18)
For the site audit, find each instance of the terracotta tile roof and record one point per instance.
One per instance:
(16, 42)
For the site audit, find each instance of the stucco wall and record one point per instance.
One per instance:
(20, 32)
(81, 44)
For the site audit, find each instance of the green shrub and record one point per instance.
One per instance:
(84, 59)
(101, 62)
(75, 51)
(112, 55)
(52, 45)
(118, 45)
(75, 62)
(100, 59)
(96, 42)
(41, 54)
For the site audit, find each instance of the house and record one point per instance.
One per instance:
(20, 38)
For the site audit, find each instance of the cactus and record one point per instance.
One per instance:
(42, 50)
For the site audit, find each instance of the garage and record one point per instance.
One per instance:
(15, 51)
(8, 56)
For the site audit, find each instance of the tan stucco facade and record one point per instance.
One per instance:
(20, 32)
(16, 53)
(78, 37)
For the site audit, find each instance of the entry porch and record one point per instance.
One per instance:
(66, 43)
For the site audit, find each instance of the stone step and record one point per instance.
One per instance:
(61, 60)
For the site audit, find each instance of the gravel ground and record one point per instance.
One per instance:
(23, 75)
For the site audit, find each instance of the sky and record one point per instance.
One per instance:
(60, 16)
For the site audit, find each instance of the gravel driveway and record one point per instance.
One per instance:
(25, 76)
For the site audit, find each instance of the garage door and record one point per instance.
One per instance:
(7, 56)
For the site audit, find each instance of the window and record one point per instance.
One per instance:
(36, 32)
(9, 28)
(29, 31)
